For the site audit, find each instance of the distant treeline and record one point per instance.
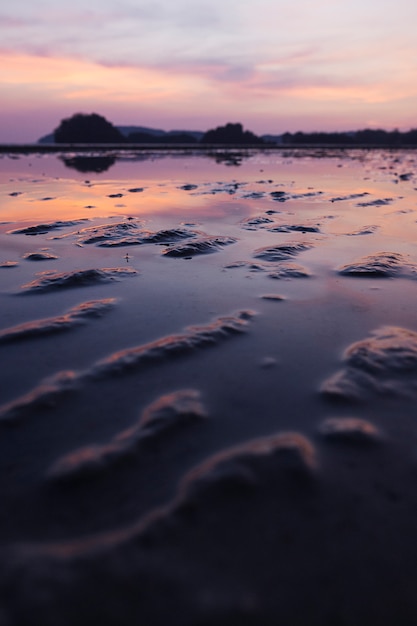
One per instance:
(94, 128)
(373, 137)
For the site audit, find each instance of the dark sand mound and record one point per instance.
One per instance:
(384, 363)
(49, 281)
(289, 453)
(42, 397)
(377, 202)
(171, 235)
(279, 196)
(40, 256)
(281, 252)
(48, 326)
(188, 187)
(107, 232)
(298, 228)
(249, 265)
(166, 236)
(254, 195)
(275, 297)
(289, 270)
(131, 234)
(42, 229)
(365, 230)
(379, 265)
(349, 430)
(252, 223)
(350, 196)
(306, 194)
(277, 270)
(169, 412)
(205, 245)
(195, 337)
(283, 196)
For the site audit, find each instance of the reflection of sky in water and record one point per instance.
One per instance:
(184, 188)
(341, 209)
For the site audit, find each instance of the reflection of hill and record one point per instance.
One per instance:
(86, 164)
(228, 158)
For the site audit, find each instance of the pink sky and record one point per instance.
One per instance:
(272, 65)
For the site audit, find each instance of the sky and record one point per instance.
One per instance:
(273, 65)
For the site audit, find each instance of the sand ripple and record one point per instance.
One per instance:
(42, 229)
(281, 252)
(49, 281)
(365, 230)
(42, 397)
(278, 270)
(146, 236)
(40, 256)
(350, 196)
(379, 265)
(384, 363)
(288, 270)
(72, 318)
(118, 363)
(129, 233)
(290, 454)
(168, 412)
(349, 430)
(376, 202)
(298, 228)
(199, 246)
(252, 223)
(106, 232)
(196, 337)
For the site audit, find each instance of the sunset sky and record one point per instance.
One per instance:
(274, 65)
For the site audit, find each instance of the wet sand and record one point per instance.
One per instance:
(207, 389)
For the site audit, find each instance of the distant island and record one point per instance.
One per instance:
(93, 128)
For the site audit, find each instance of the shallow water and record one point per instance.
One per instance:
(270, 294)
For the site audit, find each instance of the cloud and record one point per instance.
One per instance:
(263, 57)
(323, 39)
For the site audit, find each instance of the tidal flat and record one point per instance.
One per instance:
(208, 386)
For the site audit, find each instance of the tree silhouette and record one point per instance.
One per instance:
(231, 134)
(87, 128)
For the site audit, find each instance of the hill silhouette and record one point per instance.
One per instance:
(94, 128)
(87, 128)
(231, 134)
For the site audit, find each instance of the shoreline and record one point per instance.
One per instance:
(188, 148)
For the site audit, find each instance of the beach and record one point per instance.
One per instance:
(208, 386)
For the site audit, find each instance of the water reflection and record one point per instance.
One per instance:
(89, 164)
